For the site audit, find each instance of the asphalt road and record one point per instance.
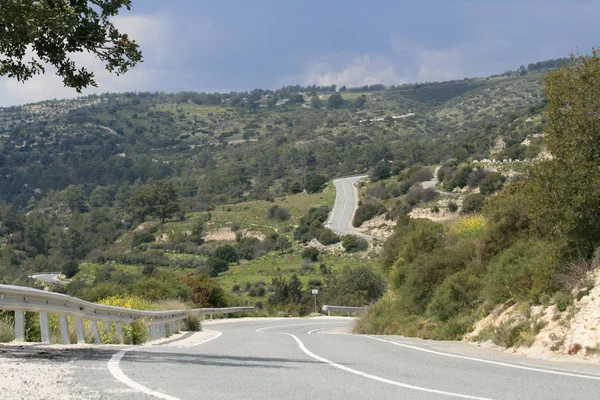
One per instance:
(51, 278)
(295, 359)
(346, 202)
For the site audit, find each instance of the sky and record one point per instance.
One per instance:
(234, 45)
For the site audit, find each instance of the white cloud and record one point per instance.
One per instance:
(440, 65)
(357, 71)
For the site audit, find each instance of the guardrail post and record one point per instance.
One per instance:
(329, 313)
(79, 331)
(64, 329)
(45, 328)
(119, 329)
(149, 332)
(95, 331)
(210, 316)
(19, 326)
(161, 330)
(106, 327)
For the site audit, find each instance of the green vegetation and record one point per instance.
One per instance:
(216, 199)
(535, 239)
(55, 30)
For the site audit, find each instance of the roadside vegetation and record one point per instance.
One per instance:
(518, 246)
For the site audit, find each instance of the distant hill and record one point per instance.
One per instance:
(232, 147)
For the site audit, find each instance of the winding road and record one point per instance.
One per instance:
(51, 277)
(299, 359)
(346, 203)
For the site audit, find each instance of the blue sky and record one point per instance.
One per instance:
(240, 45)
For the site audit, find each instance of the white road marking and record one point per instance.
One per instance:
(207, 340)
(260, 330)
(502, 364)
(375, 377)
(115, 370)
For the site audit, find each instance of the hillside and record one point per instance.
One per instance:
(219, 199)
(241, 146)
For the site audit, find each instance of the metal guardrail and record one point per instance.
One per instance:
(20, 299)
(328, 309)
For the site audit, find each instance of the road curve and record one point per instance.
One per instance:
(346, 203)
(294, 359)
(50, 278)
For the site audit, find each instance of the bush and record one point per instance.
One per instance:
(473, 203)
(458, 294)
(278, 213)
(70, 268)
(217, 266)
(248, 248)
(326, 237)
(354, 287)
(422, 175)
(192, 323)
(7, 329)
(492, 183)
(366, 212)
(525, 271)
(227, 253)
(135, 332)
(452, 207)
(352, 243)
(310, 253)
(563, 299)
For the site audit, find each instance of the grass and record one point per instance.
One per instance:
(274, 264)
(7, 330)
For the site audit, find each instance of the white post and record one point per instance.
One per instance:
(95, 331)
(119, 329)
(64, 329)
(79, 331)
(19, 326)
(161, 329)
(45, 327)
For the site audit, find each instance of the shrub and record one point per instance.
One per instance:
(492, 183)
(235, 227)
(7, 329)
(366, 212)
(422, 175)
(469, 226)
(525, 271)
(217, 266)
(326, 237)
(459, 293)
(452, 207)
(473, 203)
(354, 287)
(134, 333)
(192, 323)
(227, 253)
(278, 213)
(310, 253)
(248, 248)
(311, 223)
(352, 243)
(70, 268)
(563, 299)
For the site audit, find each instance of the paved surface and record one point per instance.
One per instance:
(295, 359)
(51, 278)
(346, 203)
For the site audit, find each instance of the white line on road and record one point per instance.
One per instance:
(547, 371)
(115, 370)
(375, 377)
(260, 330)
